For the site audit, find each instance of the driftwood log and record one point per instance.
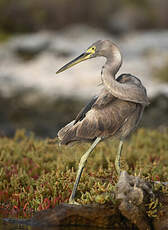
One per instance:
(136, 207)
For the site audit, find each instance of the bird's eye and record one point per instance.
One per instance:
(91, 50)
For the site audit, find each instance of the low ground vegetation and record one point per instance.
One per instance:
(39, 174)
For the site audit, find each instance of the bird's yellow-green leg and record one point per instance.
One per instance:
(117, 160)
(80, 169)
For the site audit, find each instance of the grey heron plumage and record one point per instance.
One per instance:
(116, 111)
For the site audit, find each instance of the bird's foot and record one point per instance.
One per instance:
(117, 167)
(118, 170)
(72, 201)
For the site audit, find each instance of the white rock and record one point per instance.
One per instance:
(82, 79)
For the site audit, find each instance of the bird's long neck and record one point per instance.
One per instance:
(122, 91)
(113, 63)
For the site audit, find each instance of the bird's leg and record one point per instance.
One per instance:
(80, 169)
(117, 160)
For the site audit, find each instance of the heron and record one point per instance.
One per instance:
(115, 112)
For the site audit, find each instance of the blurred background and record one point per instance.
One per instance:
(37, 37)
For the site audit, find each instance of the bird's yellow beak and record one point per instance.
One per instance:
(84, 56)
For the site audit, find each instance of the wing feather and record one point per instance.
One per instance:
(104, 116)
(84, 110)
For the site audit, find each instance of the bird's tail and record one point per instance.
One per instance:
(67, 134)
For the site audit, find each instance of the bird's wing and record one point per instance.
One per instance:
(104, 122)
(97, 102)
(98, 122)
(131, 80)
(84, 110)
(104, 99)
(104, 116)
(126, 87)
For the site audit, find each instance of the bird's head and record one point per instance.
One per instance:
(103, 48)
